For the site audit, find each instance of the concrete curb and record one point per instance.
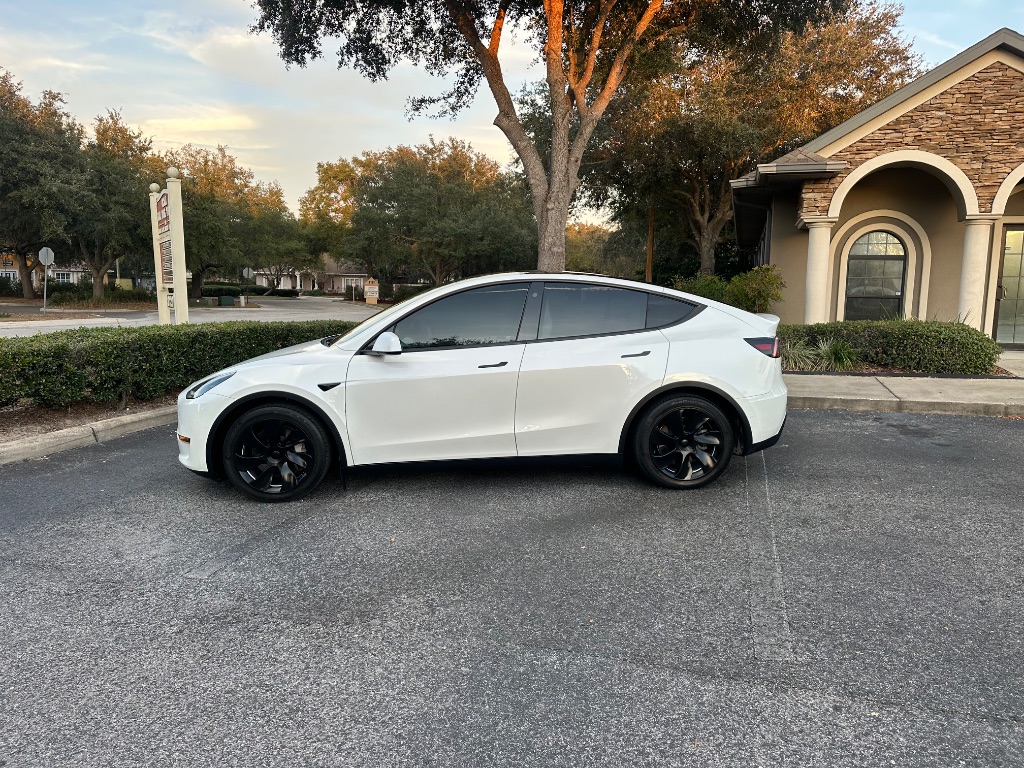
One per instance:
(862, 404)
(86, 434)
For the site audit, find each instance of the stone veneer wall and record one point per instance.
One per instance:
(978, 124)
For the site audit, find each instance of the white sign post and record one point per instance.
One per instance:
(169, 249)
(46, 259)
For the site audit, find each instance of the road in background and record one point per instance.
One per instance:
(851, 597)
(271, 309)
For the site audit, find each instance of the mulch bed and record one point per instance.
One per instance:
(19, 421)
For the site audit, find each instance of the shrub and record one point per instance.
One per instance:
(130, 295)
(909, 345)
(54, 288)
(708, 286)
(315, 292)
(756, 290)
(288, 293)
(108, 364)
(404, 292)
(835, 355)
(216, 291)
(797, 354)
(9, 287)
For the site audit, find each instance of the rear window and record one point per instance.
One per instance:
(664, 310)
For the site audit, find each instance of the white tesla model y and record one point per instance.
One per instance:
(520, 364)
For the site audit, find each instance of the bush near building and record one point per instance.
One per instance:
(924, 346)
(110, 364)
(754, 291)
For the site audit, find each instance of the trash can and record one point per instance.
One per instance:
(227, 301)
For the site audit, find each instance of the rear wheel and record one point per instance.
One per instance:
(683, 442)
(276, 453)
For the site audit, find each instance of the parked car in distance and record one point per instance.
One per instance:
(518, 364)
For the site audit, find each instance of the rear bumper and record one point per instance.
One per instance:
(767, 416)
(757, 447)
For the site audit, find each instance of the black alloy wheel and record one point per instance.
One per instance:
(683, 442)
(276, 453)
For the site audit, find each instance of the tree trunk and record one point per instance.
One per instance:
(97, 281)
(706, 249)
(197, 284)
(25, 275)
(551, 229)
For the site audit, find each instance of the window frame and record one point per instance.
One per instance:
(902, 307)
(696, 310)
(368, 346)
(529, 323)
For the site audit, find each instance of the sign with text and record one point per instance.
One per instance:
(169, 249)
(371, 291)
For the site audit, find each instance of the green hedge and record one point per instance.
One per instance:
(216, 291)
(108, 364)
(911, 345)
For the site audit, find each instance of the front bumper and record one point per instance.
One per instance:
(195, 419)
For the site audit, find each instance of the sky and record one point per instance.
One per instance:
(188, 71)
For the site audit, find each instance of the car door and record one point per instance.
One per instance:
(596, 354)
(451, 392)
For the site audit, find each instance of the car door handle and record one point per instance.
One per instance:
(494, 365)
(645, 353)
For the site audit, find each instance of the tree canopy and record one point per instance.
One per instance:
(674, 142)
(587, 50)
(40, 173)
(439, 207)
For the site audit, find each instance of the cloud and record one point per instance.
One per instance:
(195, 75)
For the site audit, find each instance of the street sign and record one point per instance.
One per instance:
(247, 273)
(46, 259)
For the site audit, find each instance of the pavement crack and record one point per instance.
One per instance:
(884, 386)
(771, 633)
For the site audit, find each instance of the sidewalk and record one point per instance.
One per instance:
(911, 394)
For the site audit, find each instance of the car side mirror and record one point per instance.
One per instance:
(387, 344)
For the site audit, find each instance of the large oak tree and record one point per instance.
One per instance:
(586, 49)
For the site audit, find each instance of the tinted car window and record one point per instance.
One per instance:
(662, 310)
(573, 309)
(488, 315)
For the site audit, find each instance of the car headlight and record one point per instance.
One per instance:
(202, 387)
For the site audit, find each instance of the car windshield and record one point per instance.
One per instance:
(381, 315)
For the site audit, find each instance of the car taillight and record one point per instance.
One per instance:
(767, 345)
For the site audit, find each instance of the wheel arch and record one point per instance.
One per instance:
(222, 423)
(735, 414)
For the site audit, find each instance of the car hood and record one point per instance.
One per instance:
(295, 349)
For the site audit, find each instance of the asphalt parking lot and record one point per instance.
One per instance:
(852, 597)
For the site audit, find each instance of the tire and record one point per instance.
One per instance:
(683, 442)
(276, 453)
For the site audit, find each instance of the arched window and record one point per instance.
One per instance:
(875, 277)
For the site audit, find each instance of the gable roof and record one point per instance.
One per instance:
(1005, 39)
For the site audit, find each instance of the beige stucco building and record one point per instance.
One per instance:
(911, 208)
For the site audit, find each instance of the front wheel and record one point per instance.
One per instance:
(683, 442)
(276, 453)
